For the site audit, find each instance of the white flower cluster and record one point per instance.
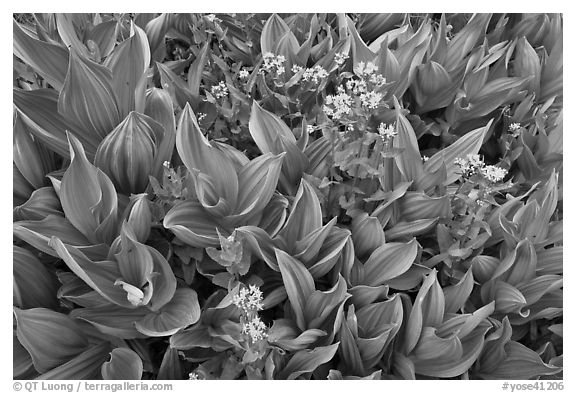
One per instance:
(194, 376)
(368, 71)
(371, 99)
(272, 64)
(220, 90)
(243, 74)
(340, 58)
(249, 299)
(493, 173)
(514, 129)
(386, 132)
(473, 164)
(338, 105)
(314, 74)
(255, 329)
(309, 129)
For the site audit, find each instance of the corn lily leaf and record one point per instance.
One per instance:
(333, 247)
(67, 32)
(360, 51)
(363, 295)
(550, 261)
(104, 36)
(367, 234)
(467, 144)
(527, 63)
(520, 363)
(418, 315)
(287, 336)
(100, 276)
(26, 154)
(348, 349)
(456, 295)
(418, 206)
(272, 135)
(176, 87)
(128, 63)
(21, 361)
(49, 60)
(198, 154)
(389, 261)
(306, 361)
(139, 216)
(466, 39)
(42, 203)
(305, 216)
(261, 244)
(113, 320)
(85, 366)
(299, 285)
(129, 152)
(192, 224)
(409, 162)
(51, 338)
(87, 97)
(170, 367)
(257, 182)
(156, 30)
(39, 233)
(534, 289)
(320, 304)
(39, 111)
(402, 230)
(34, 285)
(124, 363)
(181, 311)
(453, 366)
(88, 197)
(273, 30)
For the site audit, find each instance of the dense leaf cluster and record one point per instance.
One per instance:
(300, 196)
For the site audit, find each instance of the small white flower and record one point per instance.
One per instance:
(243, 74)
(280, 70)
(386, 132)
(166, 164)
(193, 376)
(255, 329)
(296, 68)
(201, 116)
(514, 127)
(309, 129)
(340, 58)
(371, 99)
(211, 17)
(425, 158)
(249, 299)
(493, 173)
(220, 90)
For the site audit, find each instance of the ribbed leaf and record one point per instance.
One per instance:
(39, 110)
(67, 32)
(299, 284)
(198, 154)
(191, 224)
(183, 310)
(85, 366)
(34, 285)
(409, 161)
(42, 203)
(87, 97)
(124, 363)
(113, 320)
(51, 338)
(128, 62)
(100, 276)
(273, 30)
(456, 295)
(88, 197)
(306, 361)
(49, 60)
(389, 261)
(319, 304)
(257, 182)
(305, 216)
(468, 144)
